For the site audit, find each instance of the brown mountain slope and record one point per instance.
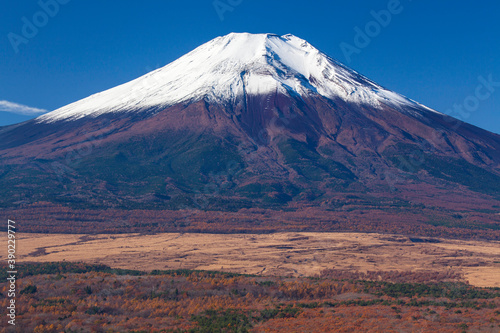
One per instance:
(284, 148)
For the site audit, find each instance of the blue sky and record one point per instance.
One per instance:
(435, 52)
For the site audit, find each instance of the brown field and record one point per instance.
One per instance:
(295, 254)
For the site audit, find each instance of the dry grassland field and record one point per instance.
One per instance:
(283, 254)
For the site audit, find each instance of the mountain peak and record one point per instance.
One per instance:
(262, 121)
(230, 67)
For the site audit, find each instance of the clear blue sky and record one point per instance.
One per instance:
(431, 51)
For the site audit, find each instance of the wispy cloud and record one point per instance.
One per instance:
(6, 106)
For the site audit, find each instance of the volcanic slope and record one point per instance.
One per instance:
(253, 121)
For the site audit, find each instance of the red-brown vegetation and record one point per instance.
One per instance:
(100, 299)
(46, 217)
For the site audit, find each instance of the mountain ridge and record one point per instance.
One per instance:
(228, 67)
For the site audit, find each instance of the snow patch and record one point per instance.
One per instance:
(227, 67)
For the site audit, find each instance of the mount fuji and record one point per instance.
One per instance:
(253, 121)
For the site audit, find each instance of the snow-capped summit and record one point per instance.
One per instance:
(230, 67)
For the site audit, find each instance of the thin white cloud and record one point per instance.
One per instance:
(6, 106)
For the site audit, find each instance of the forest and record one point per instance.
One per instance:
(356, 215)
(79, 297)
